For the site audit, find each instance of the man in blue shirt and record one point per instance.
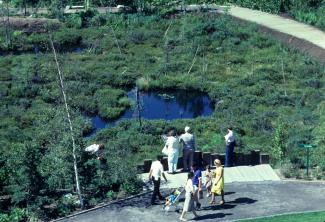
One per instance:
(197, 184)
(230, 145)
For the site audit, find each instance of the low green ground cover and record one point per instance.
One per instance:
(271, 95)
(302, 217)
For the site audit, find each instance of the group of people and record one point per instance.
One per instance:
(172, 147)
(214, 184)
(214, 179)
(187, 139)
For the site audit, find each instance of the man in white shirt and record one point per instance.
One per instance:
(188, 141)
(230, 145)
(156, 171)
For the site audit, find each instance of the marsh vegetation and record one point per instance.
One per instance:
(272, 95)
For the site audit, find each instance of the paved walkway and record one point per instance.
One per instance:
(303, 37)
(256, 173)
(243, 200)
(281, 24)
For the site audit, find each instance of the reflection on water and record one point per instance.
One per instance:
(170, 105)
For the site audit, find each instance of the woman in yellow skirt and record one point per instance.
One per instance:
(218, 183)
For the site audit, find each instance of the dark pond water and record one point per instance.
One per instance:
(170, 105)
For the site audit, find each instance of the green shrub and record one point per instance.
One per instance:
(111, 195)
(289, 170)
(17, 215)
(73, 21)
(67, 38)
(137, 36)
(132, 186)
(143, 83)
(98, 20)
(67, 204)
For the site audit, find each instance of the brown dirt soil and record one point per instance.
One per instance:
(30, 25)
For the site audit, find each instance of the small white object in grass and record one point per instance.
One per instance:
(92, 148)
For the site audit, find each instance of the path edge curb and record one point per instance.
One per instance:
(102, 205)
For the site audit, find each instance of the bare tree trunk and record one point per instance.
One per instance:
(137, 94)
(118, 45)
(197, 49)
(284, 80)
(25, 7)
(6, 23)
(70, 126)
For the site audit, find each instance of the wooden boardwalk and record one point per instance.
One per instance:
(258, 173)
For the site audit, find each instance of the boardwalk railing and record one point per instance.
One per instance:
(255, 157)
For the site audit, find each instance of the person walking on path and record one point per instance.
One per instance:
(188, 141)
(208, 180)
(189, 202)
(197, 184)
(172, 145)
(156, 171)
(230, 145)
(218, 183)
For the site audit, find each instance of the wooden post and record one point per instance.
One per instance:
(222, 158)
(239, 159)
(147, 165)
(247, 159)
(206, 158)
(180, 162)
(255, 157)
(198, 158)
(213, 157)
(264, 158)
(140, 168)
(164, 162)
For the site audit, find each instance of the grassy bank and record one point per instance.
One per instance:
(315, 217)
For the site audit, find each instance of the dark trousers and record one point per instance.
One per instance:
(187, 159)
(229, 161)
(156, 191)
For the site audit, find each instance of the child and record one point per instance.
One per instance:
(208, 180)
(171, 198)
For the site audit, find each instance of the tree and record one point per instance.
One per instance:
(279, 141)
(6, 13)
(319, 134)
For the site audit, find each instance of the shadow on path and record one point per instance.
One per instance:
(226, 206)
(231, 204)
(211, 216)
(242, 200)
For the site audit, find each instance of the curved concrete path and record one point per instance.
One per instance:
(306, 38)
(281, 24)
(243, 200)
